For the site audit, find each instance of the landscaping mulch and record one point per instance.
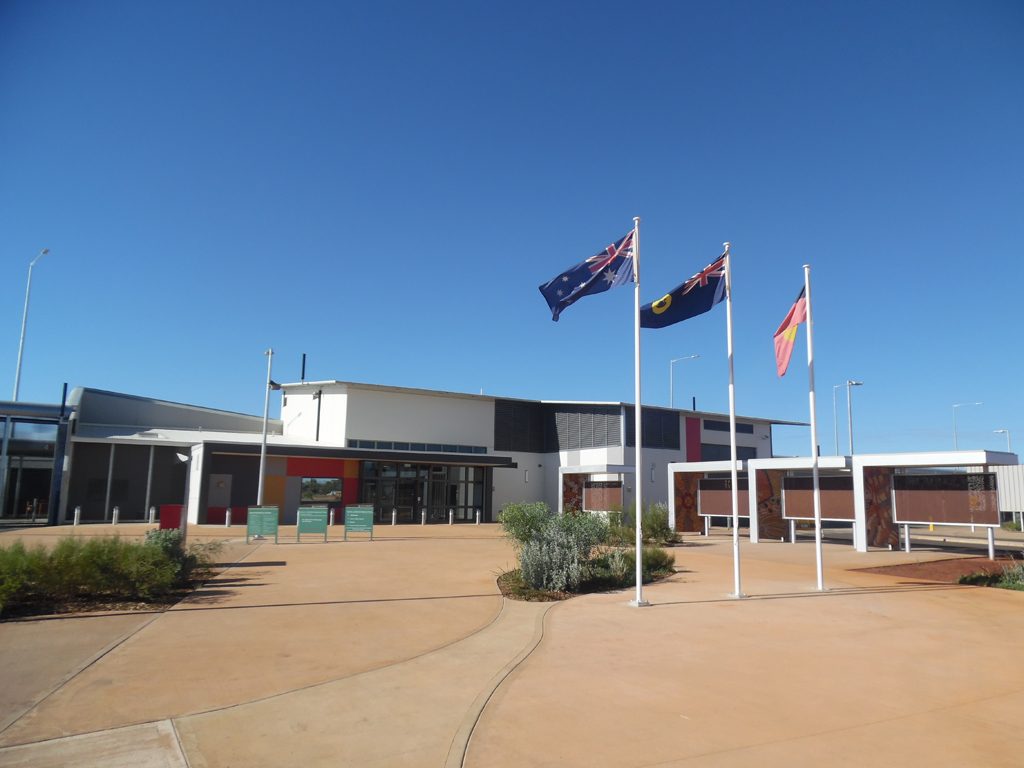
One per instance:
(946, 571)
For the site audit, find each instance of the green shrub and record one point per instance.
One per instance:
(551, 560)
(656, 528)
(556, 556)
(20, 568)
(101, 568)
(522, 522)
(1012, 577)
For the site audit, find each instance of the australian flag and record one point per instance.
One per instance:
(612, 267)
(694, 297)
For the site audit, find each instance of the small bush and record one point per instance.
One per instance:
(522, 522)
(656, 528)
(19, 567)
(99, 569)
(1012, 577)
(551, 560)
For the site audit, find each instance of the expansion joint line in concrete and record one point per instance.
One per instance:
(460, 740)
(99, 655)
(177, 740)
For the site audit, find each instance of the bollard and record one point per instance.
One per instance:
(227, 518)
(478, 517)
(115, 515)
(451, 517)
(330, 519)
(906, 538)
(78, 515)
(792, 531)
(394, 517)
(152, 515)
(423, 517)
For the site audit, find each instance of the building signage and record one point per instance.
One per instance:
(261, 521)
(359, 519)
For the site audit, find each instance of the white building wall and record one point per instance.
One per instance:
(1010, 482)
(299, 412)
(376, 415)
(527, 483)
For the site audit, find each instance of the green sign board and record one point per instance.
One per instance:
(359, 519)
(261, 521)
(311, 520)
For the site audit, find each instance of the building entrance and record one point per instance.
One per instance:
(410, 489)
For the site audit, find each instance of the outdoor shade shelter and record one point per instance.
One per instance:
(893, 489)
(876, 493)
(593, 487)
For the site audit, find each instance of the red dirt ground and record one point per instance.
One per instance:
(945, 571)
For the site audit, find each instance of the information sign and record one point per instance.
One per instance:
(311, 520)
(261, 521)
(359, 519)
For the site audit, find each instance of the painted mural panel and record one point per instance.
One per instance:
(572, 492)
(769, 504)
(882, 530)
(685, 490)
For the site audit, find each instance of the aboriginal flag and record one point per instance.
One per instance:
(786, 335)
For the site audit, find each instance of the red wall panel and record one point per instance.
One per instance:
(692, 438)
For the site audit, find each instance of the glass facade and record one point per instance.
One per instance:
(29, 470)
(408, 489)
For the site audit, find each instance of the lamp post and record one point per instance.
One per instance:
(849, 408)
(1007, 433)
(8, 424)
(956, 442)
(24, 322)
(835, 416)
(671, 381)
(263, 445)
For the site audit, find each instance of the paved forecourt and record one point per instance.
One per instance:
(401, 651)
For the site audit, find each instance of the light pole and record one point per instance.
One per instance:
(8, 424)
(835, 416)
(849, 408)
(24, 322)
(1007, 433)
(671, 381)
(263, 446)
(956, 445)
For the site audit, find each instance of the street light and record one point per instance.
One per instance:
(671, 382)
(8, 423)
(835, 416)
(1007, 433)
(849, 408)
(956, 446)
(24, 322)
(266, 410)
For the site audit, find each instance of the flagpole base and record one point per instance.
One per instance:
(639, 603)
(738, 595)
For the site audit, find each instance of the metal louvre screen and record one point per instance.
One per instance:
(950, 499)
(836, 498)
(518, 426)
(577, 427)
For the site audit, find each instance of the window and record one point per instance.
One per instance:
(723, 426)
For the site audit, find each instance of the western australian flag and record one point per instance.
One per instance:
(694, 297)
(612, 267)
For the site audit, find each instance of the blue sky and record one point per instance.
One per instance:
(383, 186)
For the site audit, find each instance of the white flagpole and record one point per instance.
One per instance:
(737, 591)
(814, 428)
(638, 419)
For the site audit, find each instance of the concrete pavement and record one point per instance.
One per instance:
(402, 652)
